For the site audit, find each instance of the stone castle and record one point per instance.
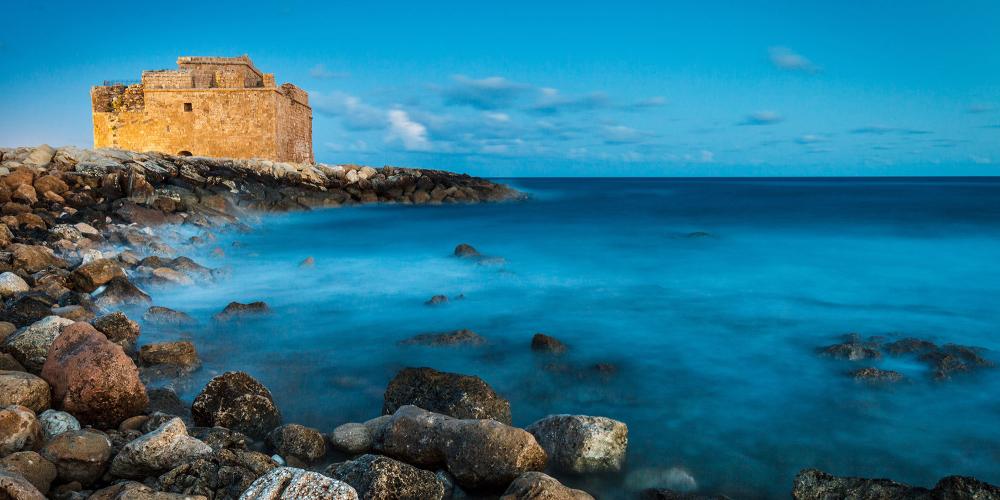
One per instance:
(208, 106)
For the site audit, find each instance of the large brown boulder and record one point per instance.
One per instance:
(93, 378)
(236, 401)
(94, 274)
(452, 394)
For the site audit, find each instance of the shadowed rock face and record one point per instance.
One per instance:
(376, 477)
(452, 394)
(812, 484)
(236, 401)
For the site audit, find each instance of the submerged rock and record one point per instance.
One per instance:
(544, 343)
(453, 338)
(287, 483)
(437, 300)
(166, 316)
(539, 486)
(582, 444)
(452, 394)
(853, 349)
(376, 477)
(876, 375)
(465, 250)
(238, 310)
(909, 346)
(236, 401)
(812, 484)
(952, 358)
(120, 291)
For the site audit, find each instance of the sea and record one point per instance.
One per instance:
(694, 311)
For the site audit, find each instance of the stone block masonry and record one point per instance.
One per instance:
(209, 106)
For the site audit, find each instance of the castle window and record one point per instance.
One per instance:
(187, 106)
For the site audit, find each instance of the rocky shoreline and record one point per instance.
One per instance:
(81, 237)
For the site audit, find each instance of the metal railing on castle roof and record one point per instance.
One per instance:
(120, 83)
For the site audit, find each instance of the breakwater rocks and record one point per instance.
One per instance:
(81, 239)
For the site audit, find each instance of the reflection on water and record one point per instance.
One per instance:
(712, 337)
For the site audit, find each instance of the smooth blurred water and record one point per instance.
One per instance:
(714, 337)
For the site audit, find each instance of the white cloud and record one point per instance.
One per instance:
(487, 93)
(786, 59)
(411, 134)
(354, 113)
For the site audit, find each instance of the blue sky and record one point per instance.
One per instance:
(519, 88)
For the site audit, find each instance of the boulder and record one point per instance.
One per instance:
(19, 177)
(165, 316)
(287, 483)
(238, 310)
(582, 444)
(120, 291)
(544, 343)
(9, 363)
(34, 258)
(236, 401)
(19, 430)
(456, 395)
(40, 156)
(79, 455)
(11, 284)
(351, 438)
(94, 274)
(27, 308)
(812, 484)
(55, 422)
(480, 454)
(179, 355)
(50, 183)
(119, 329)
(304, 444)
(539, 486)
(16, 487)
(376, 477)
(453, 338)
(159, 451)
(30, 346)
(26, 194)
(31, 466)
(437, 300)
(464, 250)
(93, 378)
(225, 474)
(24, 389)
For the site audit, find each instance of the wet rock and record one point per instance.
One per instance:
(93, 378)
(236, 401)
(853, 349)
(16, 487)
(166, 316)
(296, 441)
(170, 276)
(464, 250)
(453, 394)
(79, 455)
(481, 454)
(812, 484)
(90, 276)
(34, 258)
(224, 474)
(951, 359)
(120, 291)
(24, 389)
(351, 438)
(119, 329)
(180, 356)
(453, 338)
(582, 444)
(11, 284)
(238, 310)
(437, 300)
(31, 466)
(544, 343)
(30, 346)
(376, 477)
(287, 483)
(19, 430)
(539, 486)
(165, 400)
(159, 451)
(73, 313)
(27, 308)
(909, 346)
(874, 375)
(55, 422)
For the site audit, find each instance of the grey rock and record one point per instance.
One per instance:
(158, 451)
(56, 422)
(352, 438)
(30, 345)
(582, 444)
(287, 483)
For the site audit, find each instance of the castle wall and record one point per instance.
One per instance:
(294, 125)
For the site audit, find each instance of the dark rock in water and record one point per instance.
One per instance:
(545, 343)
(876, 376)
(165, 400)
(294, 441)
(236, 401)
(812, 484)
(698, 234)
(853, 349)
(121, 291)
(665, 494)
(118, 329)
(909, 346)
(93, 378)
(169, 359)
(463, 250)
(237, 310)
(165, 316)
(437, 300)
(376, 477)
(223, 475)
(452, 394)
(540, 486)
(308, 262)
(951, 359)
(453, 338)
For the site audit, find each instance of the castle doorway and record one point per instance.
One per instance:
(184, 153)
